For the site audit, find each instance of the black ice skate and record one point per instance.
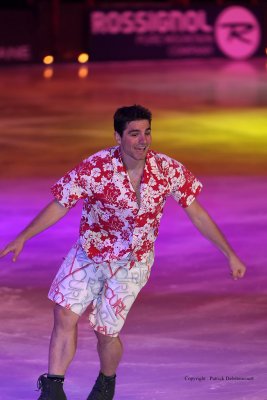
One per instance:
(50, 390)
(104, 388)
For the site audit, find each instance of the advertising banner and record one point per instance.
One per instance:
(130, 34)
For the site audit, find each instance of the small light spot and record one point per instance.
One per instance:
(48, 60)
(48, 73)
(83, 72)
(83, 58)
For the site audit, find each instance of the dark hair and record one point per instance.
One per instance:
(124, 115)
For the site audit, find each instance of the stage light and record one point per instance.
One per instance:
(83, 58)
(48, 73)
(47, 60)
(83, 72)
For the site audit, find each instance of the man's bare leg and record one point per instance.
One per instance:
(110, 352)
(63, 340)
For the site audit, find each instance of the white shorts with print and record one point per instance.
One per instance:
(111, 287)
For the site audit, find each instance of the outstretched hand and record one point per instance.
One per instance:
(237, 267)
(13, 247)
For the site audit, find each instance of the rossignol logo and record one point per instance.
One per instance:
(145, 22)
(237, 32)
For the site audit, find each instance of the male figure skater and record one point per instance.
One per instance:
(123, 189)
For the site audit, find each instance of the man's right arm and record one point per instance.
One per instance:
(52, 213)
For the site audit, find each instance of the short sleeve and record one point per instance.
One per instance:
(71, 187)
(185, 187)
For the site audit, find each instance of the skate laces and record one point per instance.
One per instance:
(41, 385)
(104, 386)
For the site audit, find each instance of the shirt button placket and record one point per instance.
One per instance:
(135, 233)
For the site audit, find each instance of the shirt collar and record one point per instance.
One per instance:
(116, 160)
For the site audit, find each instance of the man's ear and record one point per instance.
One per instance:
(117, 137)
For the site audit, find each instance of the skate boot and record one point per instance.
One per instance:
(50, 390)
(104, 388)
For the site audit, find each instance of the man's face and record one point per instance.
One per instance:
(135, 140)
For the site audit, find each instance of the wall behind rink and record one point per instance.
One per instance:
(139, 33)
(17, 33)
(234, 31)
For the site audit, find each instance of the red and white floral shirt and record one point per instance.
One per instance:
(112, 224)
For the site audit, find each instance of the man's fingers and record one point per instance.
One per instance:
(10, 249)
(16, 254)
(237, 274)
(14, 257)
(241, 272)
(5, 252)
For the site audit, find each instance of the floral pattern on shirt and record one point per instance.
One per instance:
(112, 225)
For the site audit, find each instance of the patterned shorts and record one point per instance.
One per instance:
(111, 287)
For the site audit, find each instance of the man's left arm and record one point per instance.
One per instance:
(207, 227)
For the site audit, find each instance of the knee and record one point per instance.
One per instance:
(104, 340)
(64, 319)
